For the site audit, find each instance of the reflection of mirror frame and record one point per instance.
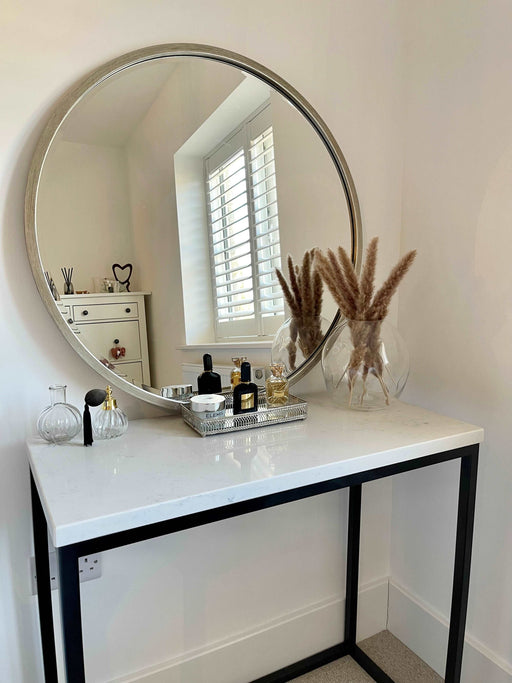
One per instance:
(73, 97)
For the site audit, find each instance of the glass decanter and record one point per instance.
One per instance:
(60, 421)
(277, 386)
(109, 422)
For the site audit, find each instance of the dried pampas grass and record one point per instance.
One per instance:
(357, 302)
(303, 295)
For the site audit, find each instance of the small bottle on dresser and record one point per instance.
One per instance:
(245, 394)
(208, 381)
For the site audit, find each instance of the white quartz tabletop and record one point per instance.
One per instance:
(161, 469)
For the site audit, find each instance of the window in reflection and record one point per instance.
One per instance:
(243, 229)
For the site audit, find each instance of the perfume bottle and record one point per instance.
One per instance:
(277, 386)
(208, 381)
(60, 421)
(245, 394)
(110, 421)
(235, 372)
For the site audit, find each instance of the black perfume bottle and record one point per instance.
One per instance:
(245, 394)
(208, 381)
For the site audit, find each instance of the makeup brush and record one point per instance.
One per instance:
(94, 397)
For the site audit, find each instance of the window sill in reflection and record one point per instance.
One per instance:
(234, 344)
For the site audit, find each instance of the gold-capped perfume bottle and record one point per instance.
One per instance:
(109, 422)
(277, 386)
(235, 372)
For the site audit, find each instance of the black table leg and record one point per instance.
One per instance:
(464, 541)
(352, 582)
(352, 588)
(44, 593)
(71, 614)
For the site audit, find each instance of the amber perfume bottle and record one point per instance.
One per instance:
(235, 372)
(208, 381)
(277, 386)
(245, 394)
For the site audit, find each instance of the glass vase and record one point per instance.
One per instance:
(60, 421)
(365, 364)
(292, 344)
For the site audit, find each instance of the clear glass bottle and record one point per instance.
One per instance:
(109, 422)
(277, 386)
(60, 421)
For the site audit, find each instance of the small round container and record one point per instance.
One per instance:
(181, 392)
(208, 405)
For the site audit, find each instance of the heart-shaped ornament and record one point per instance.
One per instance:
(118, 352)
(118, 272)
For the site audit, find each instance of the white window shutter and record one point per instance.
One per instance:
(244, 231)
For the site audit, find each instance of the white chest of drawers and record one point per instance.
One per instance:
(104, 321)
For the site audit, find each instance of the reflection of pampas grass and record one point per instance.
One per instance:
(304, 298)
(356, 300)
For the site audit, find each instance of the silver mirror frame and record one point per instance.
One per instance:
(75, 95)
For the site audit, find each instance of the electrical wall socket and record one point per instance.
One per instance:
(89, 568)
(260, 374)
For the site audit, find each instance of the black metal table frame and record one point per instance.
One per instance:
(70, 587)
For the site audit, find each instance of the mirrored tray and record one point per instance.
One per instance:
(295, 409)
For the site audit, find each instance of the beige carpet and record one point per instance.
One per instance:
(393, 657)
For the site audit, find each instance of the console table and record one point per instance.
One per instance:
(168, 479)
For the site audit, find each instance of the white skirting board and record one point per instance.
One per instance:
(270, 646)
(425, 632)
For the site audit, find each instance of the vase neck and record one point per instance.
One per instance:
(57, 393)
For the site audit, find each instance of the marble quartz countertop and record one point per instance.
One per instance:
(161, 469)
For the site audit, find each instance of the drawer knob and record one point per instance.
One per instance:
(86, 312)
(116, 341)
(128, 310)
(70, 320)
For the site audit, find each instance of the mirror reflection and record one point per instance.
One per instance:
(201, 177)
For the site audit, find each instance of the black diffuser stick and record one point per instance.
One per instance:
(94, 397)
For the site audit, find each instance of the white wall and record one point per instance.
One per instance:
(312, 210)
(83, 216)
(345, 58)
(457, 211)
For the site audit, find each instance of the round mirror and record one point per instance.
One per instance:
(165, 190)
